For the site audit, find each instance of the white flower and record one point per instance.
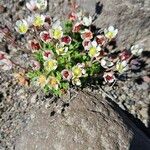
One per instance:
(111, 32)
(77, 27)
(50, 65)
(87, 21)
(35, 65)
(53, 82)
(66, 74)
(30, 20)
(86, 44)
(45, 36)
(106, 63)
(136, 50)
(109, 77)
(38, 20)
(48, 55)
(31, 5)
(41, 4)
(86, 35)
(101, 40)
(41, 80)
(94, 49)
(78, 71)
(76, 81)
(121, 67)
(56, 30)
(33, 45)
(57, 33)
(66, 40)
(61, 50)
(21, 26)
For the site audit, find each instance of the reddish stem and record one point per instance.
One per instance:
(36, 35)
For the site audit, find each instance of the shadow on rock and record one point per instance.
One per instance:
(136, 126)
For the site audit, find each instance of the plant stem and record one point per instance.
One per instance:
(36, 35)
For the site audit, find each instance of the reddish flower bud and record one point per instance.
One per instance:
(109, 77)
(34, 45)
(66, 74)
(125, 55)
(77, 27)
(45, 36)
(101, 40)
(72, 16)
(66, 40)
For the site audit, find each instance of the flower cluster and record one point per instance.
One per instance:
(69, 53)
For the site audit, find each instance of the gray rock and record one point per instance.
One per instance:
(131, 17)
(143, 86)
(33, 98)
(88, 123)
(144, 113)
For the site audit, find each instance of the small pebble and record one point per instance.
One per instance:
(144, 113)
(2, 9)
(33, 98)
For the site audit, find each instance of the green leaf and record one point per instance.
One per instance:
(65, 85)
(46, 89)
(85, 58)
(38, 56)
(58, 75)
(71, 46)
(57, 92)
(61, 60)
(68, 26)
(95, 68)
(33, 74)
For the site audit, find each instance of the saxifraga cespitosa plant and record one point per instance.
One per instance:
(68, 53)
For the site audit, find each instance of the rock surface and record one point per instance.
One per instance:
(131, 17)
(87, 123)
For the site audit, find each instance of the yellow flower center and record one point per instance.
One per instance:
(53, 82)
(23, 28)
(57, 33)
(60, 51)
(120, 67)
(50, 65)
(77, 71)
(110, 35)
(92, 51)
(42, 80)
(38, 21)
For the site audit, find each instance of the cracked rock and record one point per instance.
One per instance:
(88, 123)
